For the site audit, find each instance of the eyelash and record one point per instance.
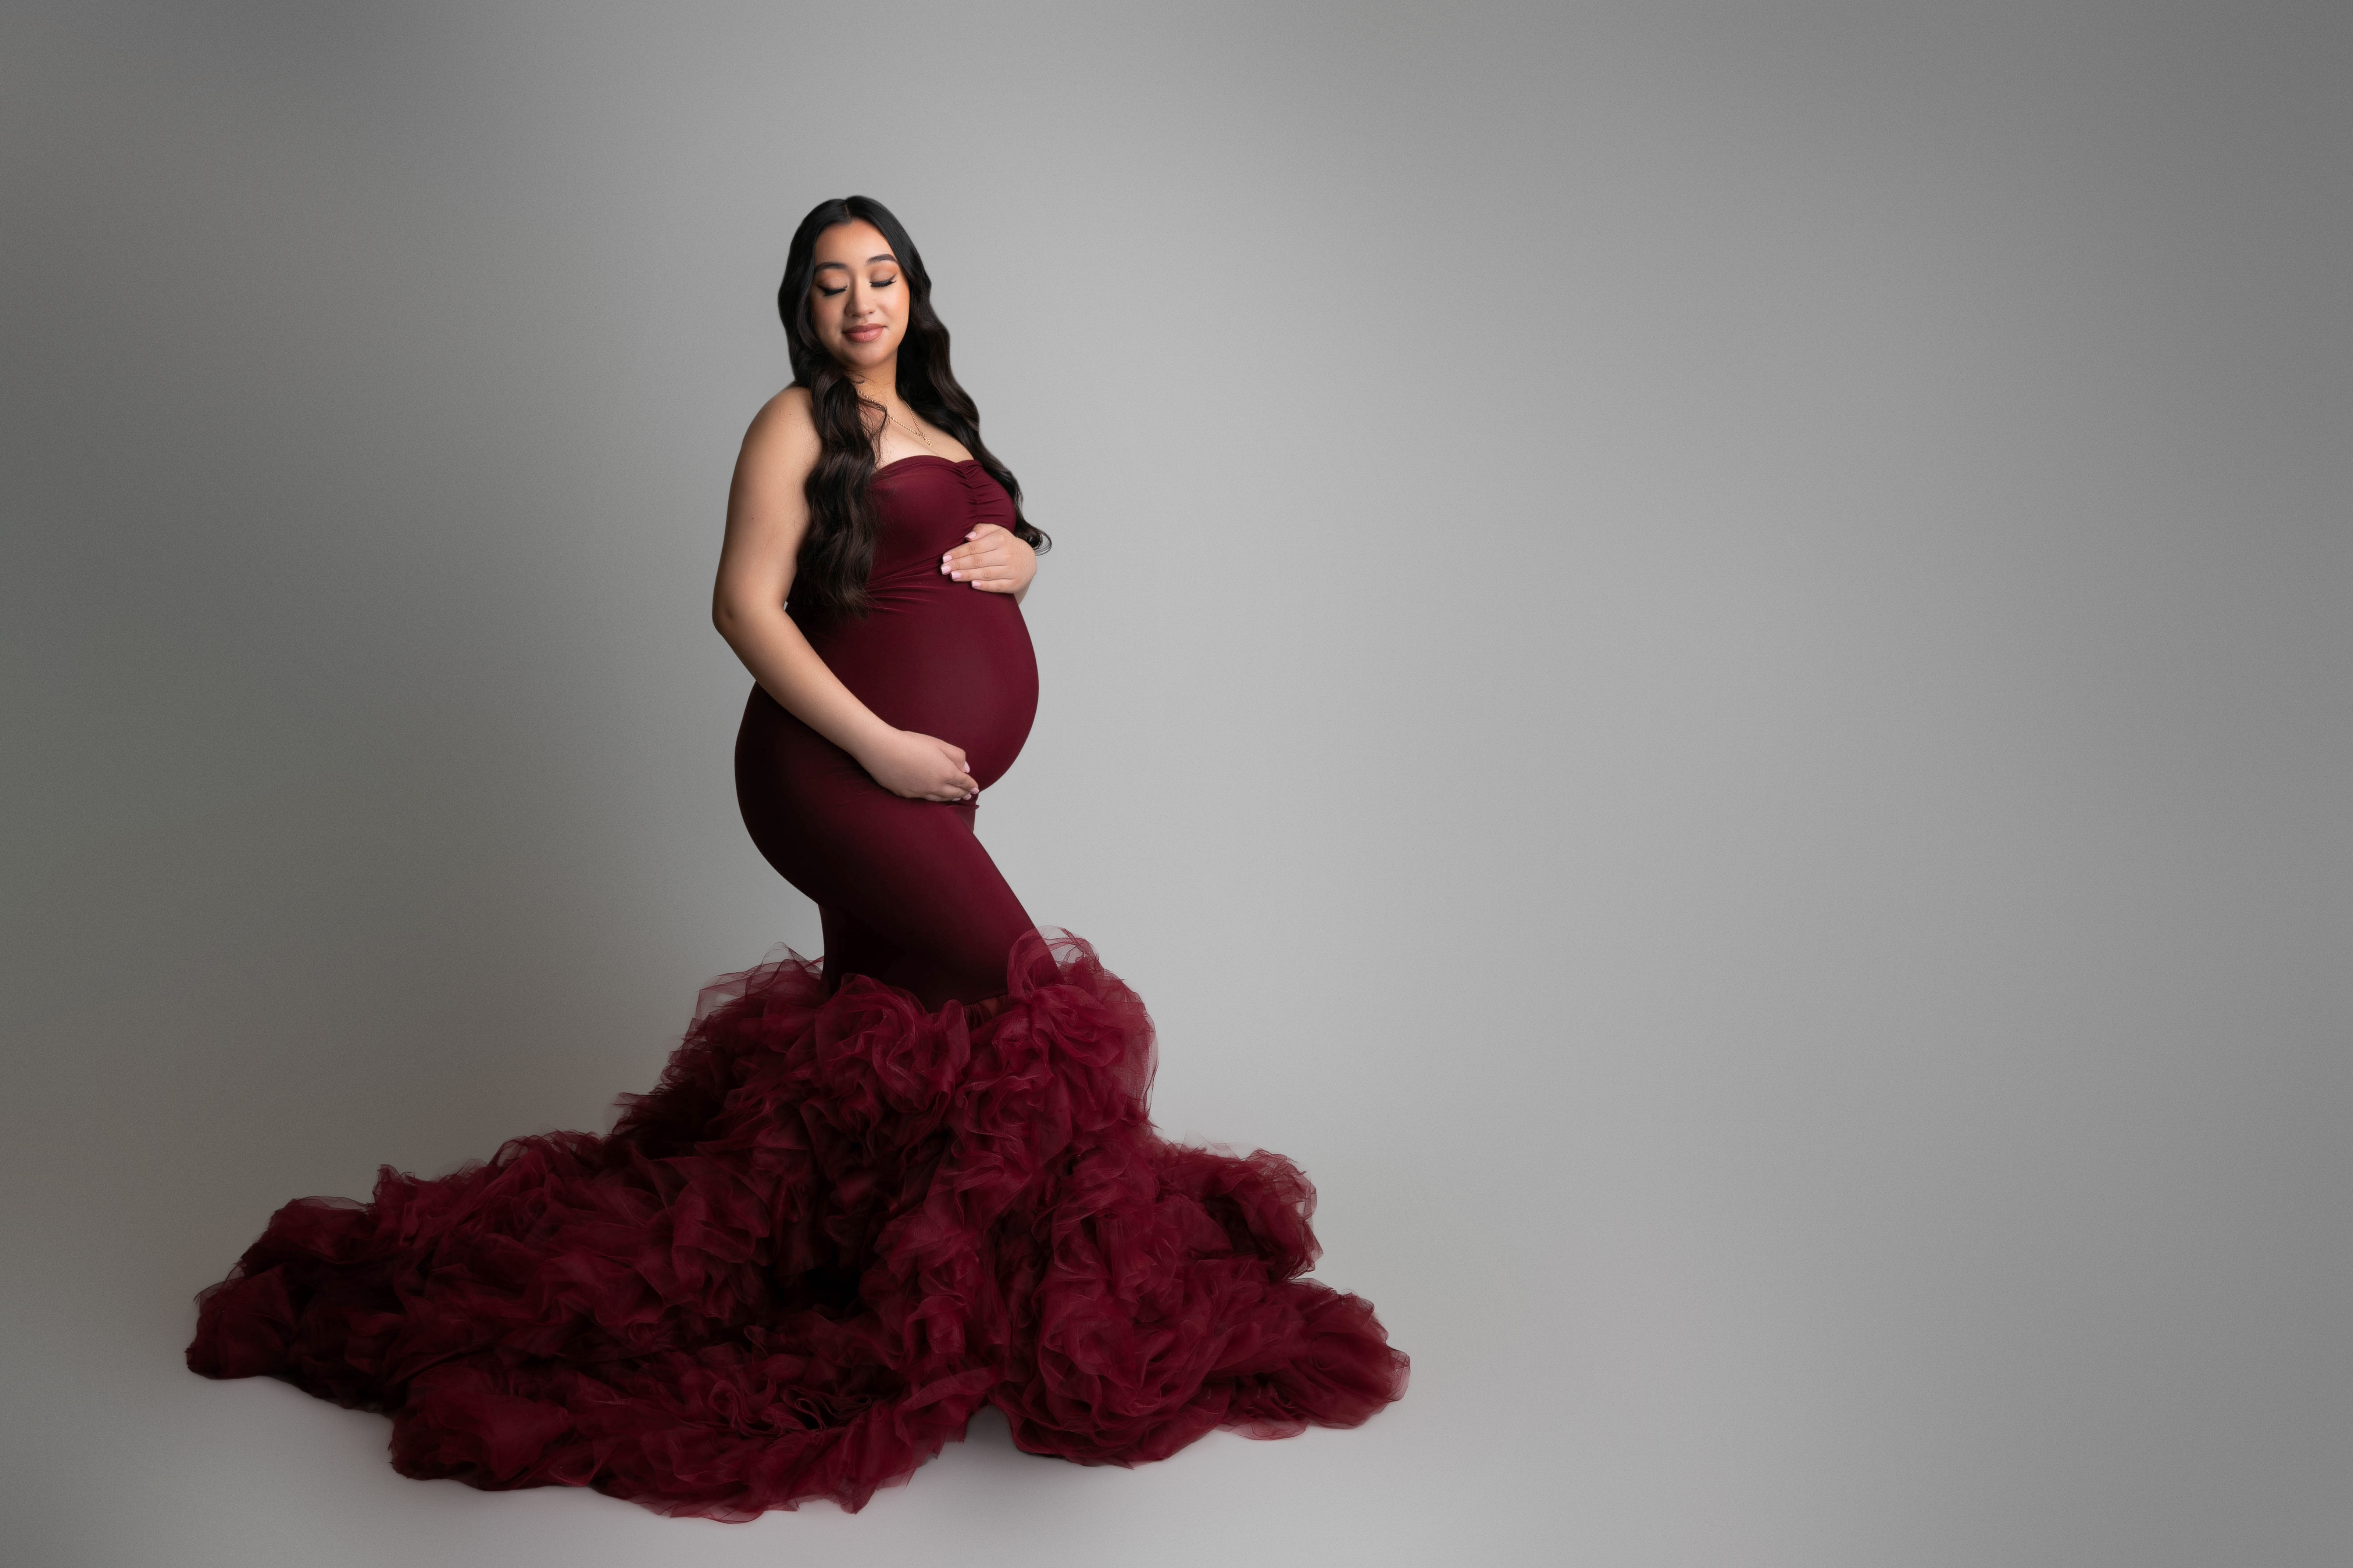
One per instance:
(829, 293)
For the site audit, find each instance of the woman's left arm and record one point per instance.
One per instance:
(993, 560)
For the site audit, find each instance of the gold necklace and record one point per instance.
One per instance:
(911, 430)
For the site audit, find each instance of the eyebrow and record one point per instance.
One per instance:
(844, 266)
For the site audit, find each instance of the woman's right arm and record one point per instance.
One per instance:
(767, 514)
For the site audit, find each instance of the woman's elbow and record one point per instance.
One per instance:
(731, 619)
(733, 614)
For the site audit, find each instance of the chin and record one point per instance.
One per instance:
(864, 356)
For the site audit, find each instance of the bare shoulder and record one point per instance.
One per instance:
(784, 432)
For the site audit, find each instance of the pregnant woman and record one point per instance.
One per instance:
(869, 1197)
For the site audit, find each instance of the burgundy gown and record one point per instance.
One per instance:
(865, 1199)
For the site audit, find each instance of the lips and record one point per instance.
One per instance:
(862, 334)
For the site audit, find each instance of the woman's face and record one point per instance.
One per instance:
(857, 299)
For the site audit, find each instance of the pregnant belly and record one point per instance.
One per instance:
(945, 661)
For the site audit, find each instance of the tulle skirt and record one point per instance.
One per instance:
(839, 1227)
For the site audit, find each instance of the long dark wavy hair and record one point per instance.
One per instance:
(838, 549)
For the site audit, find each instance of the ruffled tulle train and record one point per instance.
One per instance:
(837, 1228)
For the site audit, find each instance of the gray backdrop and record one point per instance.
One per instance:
(1698, 652)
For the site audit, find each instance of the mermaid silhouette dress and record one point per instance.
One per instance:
(865, 1199)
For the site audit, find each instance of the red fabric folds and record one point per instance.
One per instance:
(837, 1228)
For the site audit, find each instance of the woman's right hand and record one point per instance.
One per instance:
(920, 767)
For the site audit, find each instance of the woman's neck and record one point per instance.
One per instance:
(879, 384)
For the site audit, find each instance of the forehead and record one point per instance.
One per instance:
(852, 244)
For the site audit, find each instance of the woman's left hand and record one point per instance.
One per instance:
(992, 559)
